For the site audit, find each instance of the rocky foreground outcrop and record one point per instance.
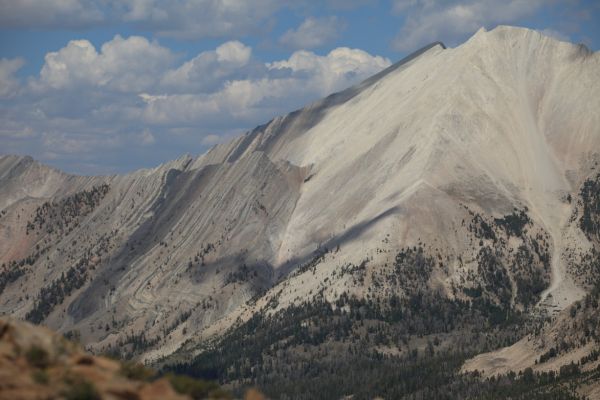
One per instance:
(36, 363)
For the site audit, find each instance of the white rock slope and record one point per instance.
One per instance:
(508, 120)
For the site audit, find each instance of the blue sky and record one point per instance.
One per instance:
(110, 86)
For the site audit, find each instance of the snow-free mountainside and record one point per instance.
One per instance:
(446, 208)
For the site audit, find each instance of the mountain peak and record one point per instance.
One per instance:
(516, 36)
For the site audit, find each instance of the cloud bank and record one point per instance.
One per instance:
(91, 106)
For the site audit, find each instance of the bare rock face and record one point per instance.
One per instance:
(458, 171)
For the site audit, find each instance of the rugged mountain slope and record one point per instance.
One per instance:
(574, 335)
(453, 174)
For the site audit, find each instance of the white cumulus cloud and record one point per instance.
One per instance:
(132, 93)
(122, 64)
(283, 86)
(313, 32)
(209, 69)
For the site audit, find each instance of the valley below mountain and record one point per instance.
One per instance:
(433, 232)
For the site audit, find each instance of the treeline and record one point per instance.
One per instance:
(316, 350)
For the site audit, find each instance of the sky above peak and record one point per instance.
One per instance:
(109, 86)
